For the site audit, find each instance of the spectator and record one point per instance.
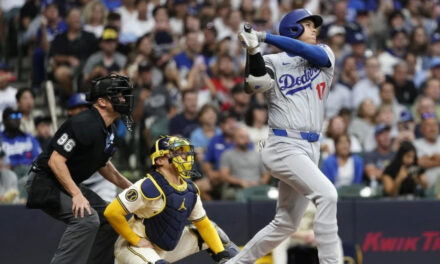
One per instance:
(8, 183)
(188, 61)
(395, 53)
(404, 88)
(240, 102)
(336, 37)
(129, 19)
(368, 87)
(106, 60)
(362, 125)
(43, 129)
(240, 167)
(419, 41)
(343, 168)
(225, 79)
(69, 50)
(388, 98)
(358, 48)
(422, 106)
(433, 71)
(405, 128)
(95, 14)
(179, 12)
(256, 123)
(26, 105)
(206, 130)
(432, 90)
(349, 75)
(216, 146)
(20, 147)
(185, 122)
(403, 176)
(335, 128)
(7, 92)
(379, 158)
(428, 148)
(145, 24)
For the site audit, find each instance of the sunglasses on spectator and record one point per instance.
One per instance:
(17, 115)
(428, 115)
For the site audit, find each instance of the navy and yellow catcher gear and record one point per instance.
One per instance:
(180, 152)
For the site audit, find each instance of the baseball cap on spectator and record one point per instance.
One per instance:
(428, 115)
(406, 116)
(434, 63)
(335, 30)
(381, 128)
(110, 34)
(6, 70)
(78, 99)
(42, 119)
(435, 38)
(356, 38)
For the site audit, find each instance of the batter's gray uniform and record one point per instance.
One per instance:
(296, 113)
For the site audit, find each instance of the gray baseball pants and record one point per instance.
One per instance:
(294, 163)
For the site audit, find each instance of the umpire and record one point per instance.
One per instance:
(83, 145)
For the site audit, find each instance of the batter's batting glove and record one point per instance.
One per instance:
(250, 39)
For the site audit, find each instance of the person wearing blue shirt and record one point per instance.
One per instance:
(216, 146)
(343, 168)
(20, 148)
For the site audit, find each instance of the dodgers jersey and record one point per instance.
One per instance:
(297, 98)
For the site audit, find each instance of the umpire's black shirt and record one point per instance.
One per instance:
(85, 142)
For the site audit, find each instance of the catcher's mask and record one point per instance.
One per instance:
(180, 152)
(114, 87)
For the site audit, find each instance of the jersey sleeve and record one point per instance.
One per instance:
(198, 212)
(331, 57)
(65, 141)
(269, 64)
(132, 198)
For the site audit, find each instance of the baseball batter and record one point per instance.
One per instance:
(161, 204)
(296, 84)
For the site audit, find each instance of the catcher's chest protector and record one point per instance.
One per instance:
(165, 228)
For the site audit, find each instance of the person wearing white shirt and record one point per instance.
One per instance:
(428, 148)
(368, 87)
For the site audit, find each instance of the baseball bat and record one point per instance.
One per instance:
(51, 102)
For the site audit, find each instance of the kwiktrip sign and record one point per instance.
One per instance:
(427, 241)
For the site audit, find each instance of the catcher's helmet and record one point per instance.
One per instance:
(290, 25)
(112, 87)
(180, 152)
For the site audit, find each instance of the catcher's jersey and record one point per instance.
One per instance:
(135, 201)
(297, 98)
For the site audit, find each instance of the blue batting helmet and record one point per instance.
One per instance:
(290, 26)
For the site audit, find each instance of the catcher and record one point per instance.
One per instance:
(161, 204)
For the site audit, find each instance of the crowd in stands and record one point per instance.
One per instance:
(186, 64)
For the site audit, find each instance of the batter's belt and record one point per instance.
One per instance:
(309, 136)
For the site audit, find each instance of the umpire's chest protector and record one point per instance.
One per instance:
(165, 228)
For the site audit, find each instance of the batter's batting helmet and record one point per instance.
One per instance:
(290, 26)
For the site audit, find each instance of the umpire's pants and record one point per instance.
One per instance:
(89, 239)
